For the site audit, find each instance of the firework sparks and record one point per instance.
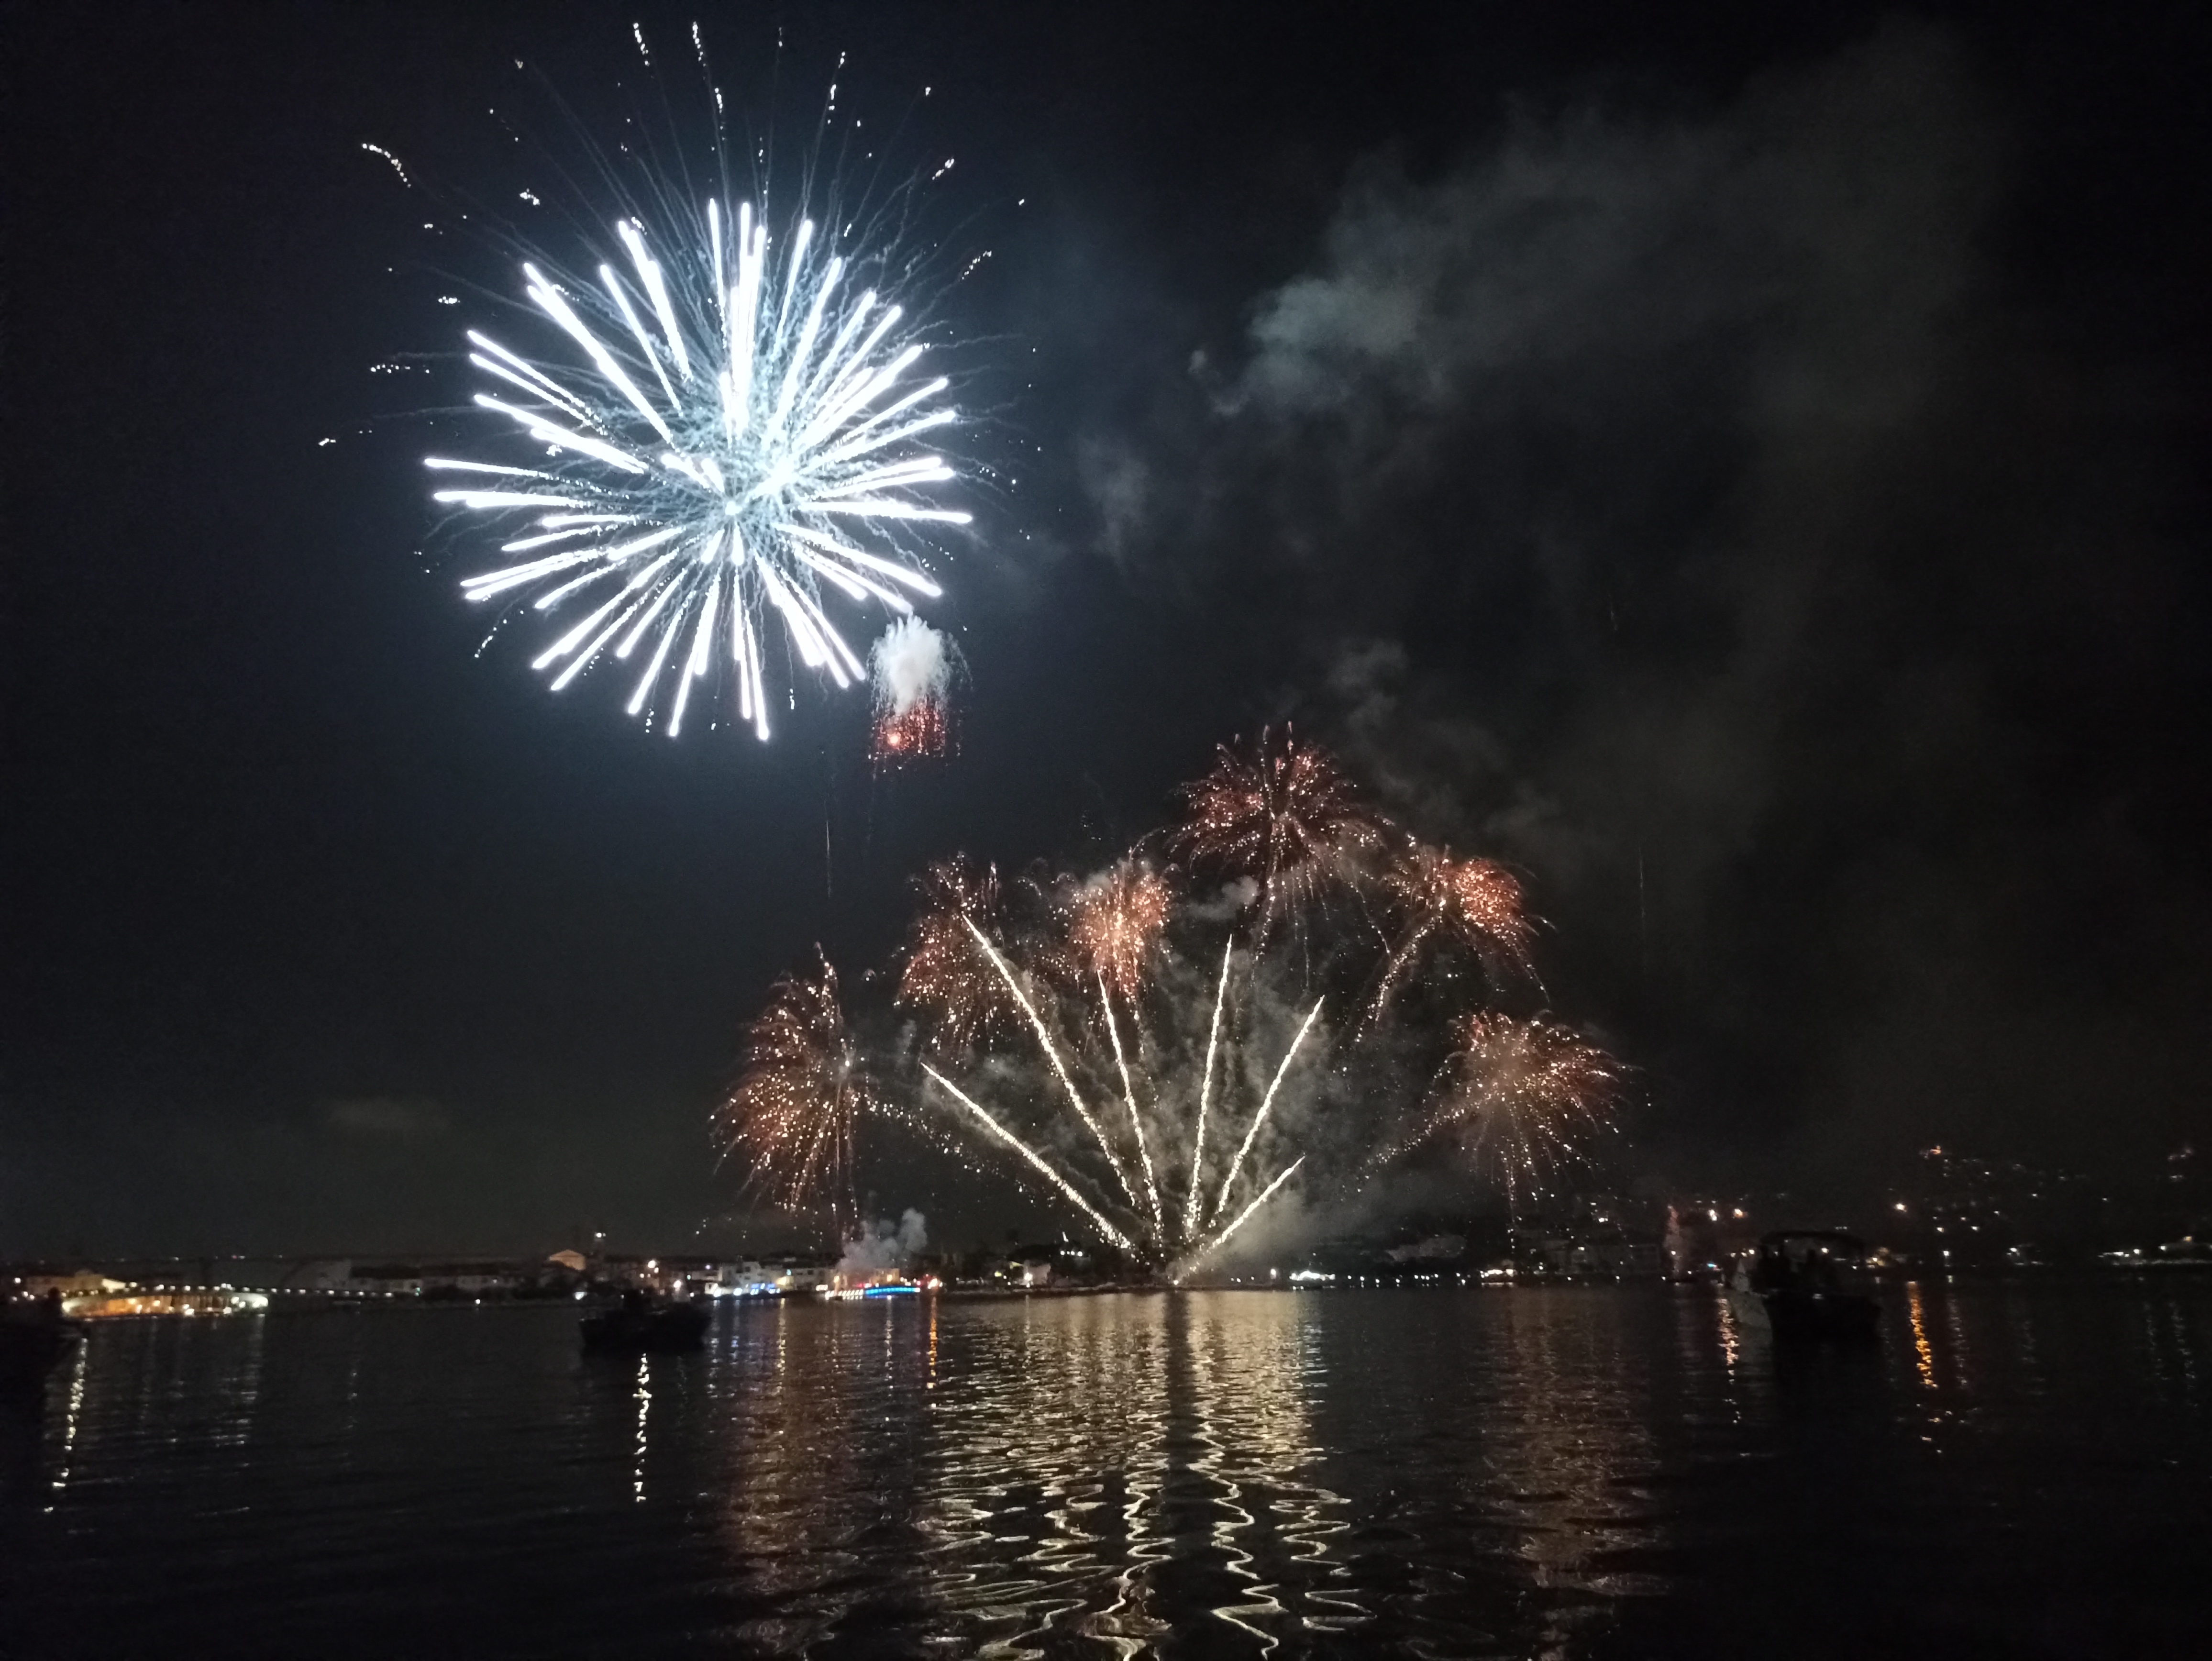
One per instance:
(910, 671)
(1520, 1098)
(945, 975)
(1434, 895)
(1286, 817)
(1266, 1105)
(1086, 1031)
(1206, 1094)
(793, 1117)
(1114, 926)
(1081, 1034)
(1221, 1238)
(1052, 1053)
(743, 442)
(1036, 1161)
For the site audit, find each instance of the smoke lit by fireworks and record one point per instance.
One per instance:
(910, 671)
(794, 1118)
(1285, 816)
(731, 429)
(1520, 1097)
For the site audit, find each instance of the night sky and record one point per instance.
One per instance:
(1741, 465)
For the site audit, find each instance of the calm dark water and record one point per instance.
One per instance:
(2018, 1469)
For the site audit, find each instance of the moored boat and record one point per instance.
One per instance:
(34, 1339)
(1804, 1284)
(639, 1323)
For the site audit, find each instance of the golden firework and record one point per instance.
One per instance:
(792, 1117)
(1113, 925)
(1433, 895)
(1285, 817)
(1520, 1098)
(947, 974)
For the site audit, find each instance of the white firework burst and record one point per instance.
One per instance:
(736, 440)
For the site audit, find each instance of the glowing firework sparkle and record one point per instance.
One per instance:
(1435, 896)
(793, 1117)
(1286, 817)
(734, 437)
(947, 977)
(1114, 926)
(1134, 1156)
(1520, 1096)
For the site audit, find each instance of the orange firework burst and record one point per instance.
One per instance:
(1475, 900)
(1520, 1096)
(1113, 923)
(921, 733)
(1287, 817)
(947, 973)
(793, 1116)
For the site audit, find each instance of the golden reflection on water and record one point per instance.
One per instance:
(1236, 1473)
(1050, 1460)
(1088, 1475)
(1250, 1359)
(815, 1456)
(1047, 1451)
(1924, 1354)
(642, 1392)
(79, 1370)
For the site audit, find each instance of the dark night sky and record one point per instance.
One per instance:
(1742, 464)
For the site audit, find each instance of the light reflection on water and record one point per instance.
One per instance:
(1555, 1472)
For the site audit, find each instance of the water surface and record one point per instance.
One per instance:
(2020, 1469)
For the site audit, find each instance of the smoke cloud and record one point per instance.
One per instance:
(911, 665)
(884, 1246)
(1689, 511)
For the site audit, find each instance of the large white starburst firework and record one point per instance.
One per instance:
(745, 438)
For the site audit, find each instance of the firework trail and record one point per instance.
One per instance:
(1206, 1094)
(1081, 976)
(1037, 1161)
(1286, 817)
(1114, 927)
(1433, 895)
(910, 671)
(1266, 1105)
(1520, 1098)
(793, 1117)
(730, 442)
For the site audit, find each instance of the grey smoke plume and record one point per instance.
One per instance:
(884, 1245)
(911, 664)
(1689, 511)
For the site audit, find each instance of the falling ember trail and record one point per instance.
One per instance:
(1052, 1054)
(1035, 1159)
